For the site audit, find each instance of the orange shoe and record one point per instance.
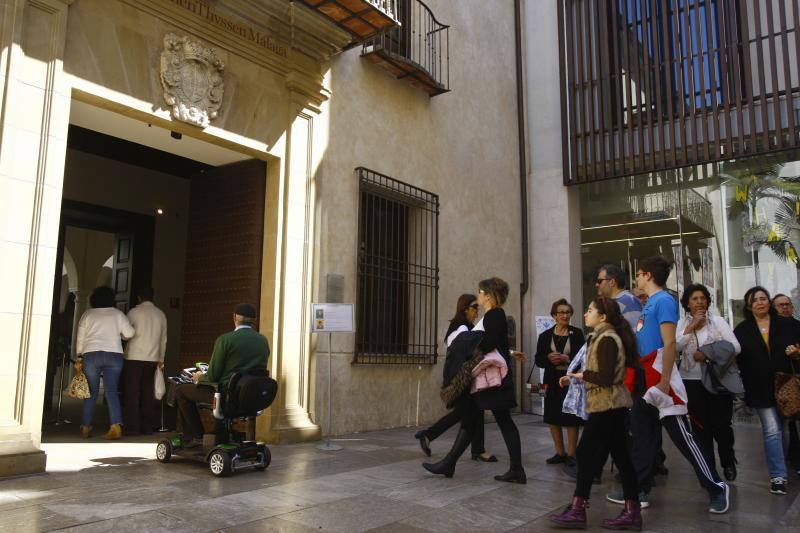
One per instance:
(86, 432)
(114, 432)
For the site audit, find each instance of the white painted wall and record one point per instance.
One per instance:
(554, 208)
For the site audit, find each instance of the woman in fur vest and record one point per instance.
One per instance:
(611, 350)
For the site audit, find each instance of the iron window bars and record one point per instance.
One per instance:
(398, 272)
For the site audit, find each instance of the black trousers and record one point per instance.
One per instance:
(793, 453)
(187, 396)
(451, 419)
(138, 402)
(711, 416)
(646, 435)
(605, 433)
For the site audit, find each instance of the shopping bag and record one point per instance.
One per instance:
(79, 387)
(159, 388)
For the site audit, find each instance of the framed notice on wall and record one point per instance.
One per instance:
(328, 318)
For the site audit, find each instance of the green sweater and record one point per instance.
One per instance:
(235, 351)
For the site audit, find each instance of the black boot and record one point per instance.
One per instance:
(447, 466)
(514, 475)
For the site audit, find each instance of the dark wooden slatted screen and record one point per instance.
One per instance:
(650, 85)
(223, 253)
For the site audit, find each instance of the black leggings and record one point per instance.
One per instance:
(510, 435)
(472, 417)
(603, 433)
(451, 419)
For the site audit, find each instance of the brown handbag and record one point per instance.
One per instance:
(787, 393)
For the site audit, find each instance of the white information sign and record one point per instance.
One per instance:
(326, 318)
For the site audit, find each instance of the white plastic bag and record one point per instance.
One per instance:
(159, 388)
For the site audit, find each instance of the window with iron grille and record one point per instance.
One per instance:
(398, 272)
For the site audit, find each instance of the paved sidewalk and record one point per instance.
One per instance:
(375, 484)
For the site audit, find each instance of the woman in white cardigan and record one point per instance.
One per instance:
(99, 346)
(711, 414)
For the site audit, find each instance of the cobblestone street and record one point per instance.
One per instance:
(374, 484)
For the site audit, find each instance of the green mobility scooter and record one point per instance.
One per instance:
(226, 450)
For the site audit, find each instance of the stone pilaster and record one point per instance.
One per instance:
(287, 272)
(554, 209)
(33, 132)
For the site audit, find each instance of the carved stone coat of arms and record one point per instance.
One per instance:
(191, 75)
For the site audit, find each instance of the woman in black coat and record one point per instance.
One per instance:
(554, 351)
(463, 320)
(500, 400)
(769, 345)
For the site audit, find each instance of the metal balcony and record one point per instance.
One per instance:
(418, 50)
(362, 18)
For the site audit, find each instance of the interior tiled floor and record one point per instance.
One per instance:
(375, 483)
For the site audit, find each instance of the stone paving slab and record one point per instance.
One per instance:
(375, 483)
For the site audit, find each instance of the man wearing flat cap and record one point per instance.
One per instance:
(236, 351)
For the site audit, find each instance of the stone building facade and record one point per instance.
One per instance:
(269, 110)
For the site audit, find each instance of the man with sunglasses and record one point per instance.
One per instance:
(784, 307)
(610, 283)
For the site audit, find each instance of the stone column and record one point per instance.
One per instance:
(287, 274)
(33, 132)
(554, 208)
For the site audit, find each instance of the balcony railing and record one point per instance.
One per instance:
(693, 208)
(418, 50)
(362, 18)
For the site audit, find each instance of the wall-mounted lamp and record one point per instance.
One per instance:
(159, 211)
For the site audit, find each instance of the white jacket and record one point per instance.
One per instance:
(99, 330)
(150, 341)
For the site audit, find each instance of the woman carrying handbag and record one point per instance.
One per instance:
(769, 344)
(500, 400)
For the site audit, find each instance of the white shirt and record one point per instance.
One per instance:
(150, 341)
(99, 330)
(682, 340)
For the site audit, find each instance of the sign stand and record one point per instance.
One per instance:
(328, 447)
(327, 318)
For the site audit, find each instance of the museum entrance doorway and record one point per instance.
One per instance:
(146, 207)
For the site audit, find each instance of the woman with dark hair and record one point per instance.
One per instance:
(611, 351)
(554, 351)
(464, 319)
(769, 344)
(500, 400)
(711, 414)
(99, 347)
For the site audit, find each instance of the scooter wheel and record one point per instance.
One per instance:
(164, 451)
(266, 456)
(219, 462)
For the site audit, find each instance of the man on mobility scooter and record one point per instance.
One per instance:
(236, 385)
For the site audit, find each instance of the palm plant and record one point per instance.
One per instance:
(781, 232)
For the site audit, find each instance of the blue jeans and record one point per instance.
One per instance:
(771, 426)
(109, 364)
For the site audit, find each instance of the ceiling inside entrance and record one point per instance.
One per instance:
(110, 123)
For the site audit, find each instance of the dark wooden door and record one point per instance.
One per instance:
(223, 253)
(123, 270)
